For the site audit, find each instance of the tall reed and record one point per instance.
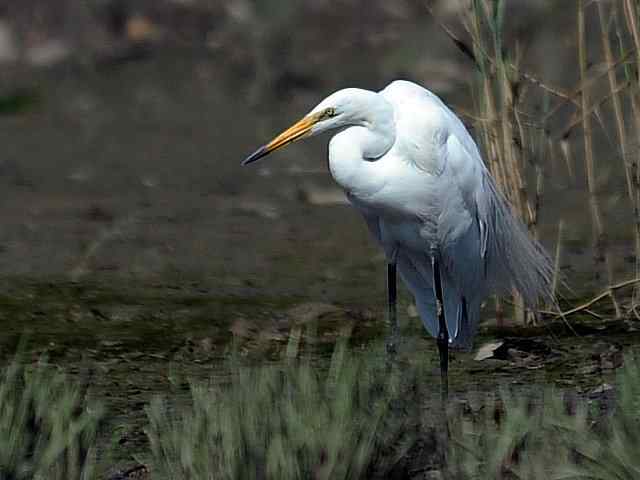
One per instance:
(600, 243)
(516, 110)
(510, 146)
(631, 13)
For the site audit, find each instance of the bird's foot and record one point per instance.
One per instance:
(392, 345)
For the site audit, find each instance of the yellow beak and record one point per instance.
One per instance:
(297, 131)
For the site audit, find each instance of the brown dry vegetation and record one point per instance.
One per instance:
(127, 195)
(516, 109)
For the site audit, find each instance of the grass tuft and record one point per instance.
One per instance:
(48, 430)
(550, 436)
(286, 421)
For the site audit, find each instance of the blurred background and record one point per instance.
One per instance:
(135, 251)
(123, 123)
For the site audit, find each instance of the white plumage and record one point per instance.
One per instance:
(409, 165)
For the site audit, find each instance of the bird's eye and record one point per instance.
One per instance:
(330, 112)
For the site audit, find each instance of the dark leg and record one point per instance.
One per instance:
(443, 334)
(391, 308)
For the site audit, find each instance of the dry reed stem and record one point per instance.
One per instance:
(558, 257)
(537, 204)
(615, 98)
(498, 131)
(492, 136)
(514, 178)
(511, 152)
(631, 13)
(490, 132)
(594, 109)
(565, 148)
(578, 91)
(629, 167)
(501, 120)
(503, 130)
(634, 166)
(600, 242)
(608, 292)
(519, 73)
(468, 52)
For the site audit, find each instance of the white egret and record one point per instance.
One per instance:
(412, 169)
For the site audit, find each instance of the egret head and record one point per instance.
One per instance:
(350, 106)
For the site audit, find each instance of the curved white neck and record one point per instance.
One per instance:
(374, 145)
(375, 133)
(354, 151)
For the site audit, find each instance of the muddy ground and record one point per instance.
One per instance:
(132, 243)
(134, 343)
